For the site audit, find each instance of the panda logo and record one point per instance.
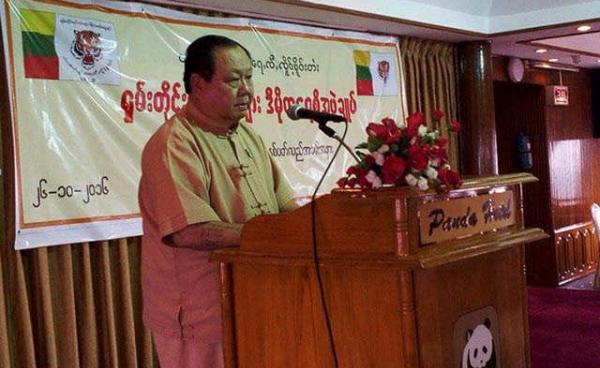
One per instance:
(479, 350)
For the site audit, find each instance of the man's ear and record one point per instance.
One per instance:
(197, 82)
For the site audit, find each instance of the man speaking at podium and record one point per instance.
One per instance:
(203, 175)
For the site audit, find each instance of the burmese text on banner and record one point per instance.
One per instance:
(90, 82)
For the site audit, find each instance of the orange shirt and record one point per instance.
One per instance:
(191, 175)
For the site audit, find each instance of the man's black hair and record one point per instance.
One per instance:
(200, 57)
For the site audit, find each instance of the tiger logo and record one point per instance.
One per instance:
(86, 47)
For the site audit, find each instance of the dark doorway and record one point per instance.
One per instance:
(520, 109)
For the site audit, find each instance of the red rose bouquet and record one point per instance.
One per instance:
(408, 154)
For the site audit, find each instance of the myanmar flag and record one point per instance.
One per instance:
(39, 53)
(364, 79)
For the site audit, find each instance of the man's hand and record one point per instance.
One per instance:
(206, 236)
(292, 204)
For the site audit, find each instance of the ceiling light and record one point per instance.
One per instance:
(540, 51)
(545, 65)
(553, 60)
(584, 28)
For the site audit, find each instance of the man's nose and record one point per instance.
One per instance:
(245, 86)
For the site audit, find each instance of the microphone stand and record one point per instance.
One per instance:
(322, 122)
(331, 133)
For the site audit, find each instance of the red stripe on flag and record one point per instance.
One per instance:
(41, 67)
(364, 87)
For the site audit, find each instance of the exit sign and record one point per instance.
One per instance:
(557, 95)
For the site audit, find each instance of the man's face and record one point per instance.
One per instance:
(226, 98)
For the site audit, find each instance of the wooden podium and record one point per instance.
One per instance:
(409, 278)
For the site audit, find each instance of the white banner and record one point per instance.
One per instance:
(91, 81)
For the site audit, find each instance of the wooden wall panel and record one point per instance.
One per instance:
(566, 160)
(573, 153)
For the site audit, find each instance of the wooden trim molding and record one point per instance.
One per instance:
(576, 251)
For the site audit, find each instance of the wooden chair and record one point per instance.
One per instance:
(595, 208)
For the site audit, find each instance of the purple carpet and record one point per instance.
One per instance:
(564, 328)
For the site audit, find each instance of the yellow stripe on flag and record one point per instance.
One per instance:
(362, 58)
(38, 21)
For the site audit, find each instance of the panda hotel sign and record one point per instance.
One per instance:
(450, 219)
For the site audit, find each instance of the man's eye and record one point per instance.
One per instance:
(234, 82)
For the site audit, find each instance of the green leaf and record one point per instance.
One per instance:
(363, 145)
(373, 144)
(403, 145)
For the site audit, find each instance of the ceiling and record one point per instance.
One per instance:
(515, 28)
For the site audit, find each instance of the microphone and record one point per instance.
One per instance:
(296, 112)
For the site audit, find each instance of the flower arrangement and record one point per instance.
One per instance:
(407, 154)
